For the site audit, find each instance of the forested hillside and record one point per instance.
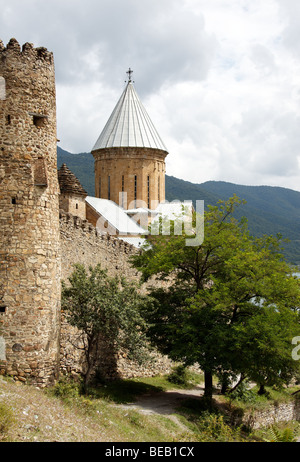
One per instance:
(269, 210)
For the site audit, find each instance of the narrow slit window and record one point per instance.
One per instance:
(108, 188)
(2, 308)
(158, 189)
(148, 189)
(122, 191)
(13, 200)
(99, 195)
(40, 173)
(135, 189)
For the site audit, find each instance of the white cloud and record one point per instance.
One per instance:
(220, 79)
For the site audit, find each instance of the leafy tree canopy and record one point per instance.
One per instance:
(232, 303)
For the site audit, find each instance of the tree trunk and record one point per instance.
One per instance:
(224, 387)
(208, 384)
(242, 377)
(261, 390)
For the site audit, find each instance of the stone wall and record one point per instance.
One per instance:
(282, 412)
(81, 243)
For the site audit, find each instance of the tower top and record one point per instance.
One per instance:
(129, 124)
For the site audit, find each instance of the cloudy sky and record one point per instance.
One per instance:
(220, 79)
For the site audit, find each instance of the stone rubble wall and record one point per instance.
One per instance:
(282, 412)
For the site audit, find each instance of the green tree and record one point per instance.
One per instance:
(107, 309)
(221, 298)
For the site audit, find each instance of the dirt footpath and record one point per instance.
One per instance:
(164, 402)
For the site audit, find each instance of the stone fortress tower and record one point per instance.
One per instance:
(29, 221)
(130, 156)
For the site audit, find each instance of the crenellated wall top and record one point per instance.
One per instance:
(13, 48)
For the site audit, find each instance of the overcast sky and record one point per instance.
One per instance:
(220, 79)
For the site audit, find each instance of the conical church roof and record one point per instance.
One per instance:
(129, 124)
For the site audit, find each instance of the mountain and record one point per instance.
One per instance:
(268, 209)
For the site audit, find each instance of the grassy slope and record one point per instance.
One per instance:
(61, 414)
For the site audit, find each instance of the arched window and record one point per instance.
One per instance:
(2, 88)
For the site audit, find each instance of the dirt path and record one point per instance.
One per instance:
(164, 402)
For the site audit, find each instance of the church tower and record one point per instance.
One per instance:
(130, 156)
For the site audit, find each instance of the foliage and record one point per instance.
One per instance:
(232, 304)
(212, 427)
(179, 375)
(287, 435)
(243, 393)
(66, 389)
(105, 309)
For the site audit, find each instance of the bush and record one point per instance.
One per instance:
(67, 389)
(6, 420)
(243, 393)
(213, 427)
(179, 376)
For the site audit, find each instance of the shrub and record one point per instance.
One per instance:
(67, 389)
(213, 427)
(243, 393)
(179, 376)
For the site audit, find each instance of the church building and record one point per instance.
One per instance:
(129, 175)
(130, 156)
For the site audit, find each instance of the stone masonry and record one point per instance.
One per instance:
(29, 222)
(138, 172)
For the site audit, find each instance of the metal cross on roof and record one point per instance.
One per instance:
(129, 72)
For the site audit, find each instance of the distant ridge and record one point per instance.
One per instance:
(269, 209)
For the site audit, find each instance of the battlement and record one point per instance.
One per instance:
(13, 48)
(72, 222)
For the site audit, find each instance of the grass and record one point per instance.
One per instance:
(252, 400)
(64, 413)
(6, 420)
